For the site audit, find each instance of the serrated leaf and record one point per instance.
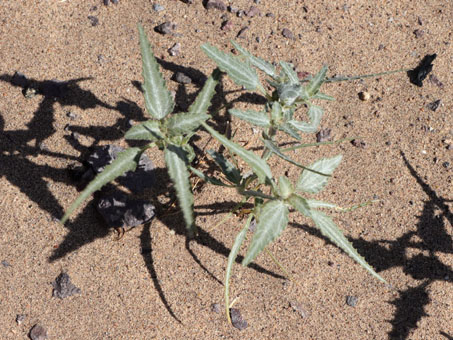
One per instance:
(329, 229)
(253, 117)
(261, 64)
(241, 73)
(158, 100)
(314, 115)
(258, 165)
(228, 169)
(203, 100)
(289, 72)
(289, 130)
(272, 221)
(231, 259)
(300, 204)
(276, 112)
(314, 183)
(209, 179)
(182, 123)
(285, 187)
(302, 126)
(315, 83)
(149, 130)
(126, 161)
(288, 93)
(323, 96)
(176, 160)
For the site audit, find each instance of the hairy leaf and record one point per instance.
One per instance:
(241, 73)
(314, 183)
(203, 100)
(288, 93)
(261, 64)
(209, 179)
(314, 114)
(315, 83)
(258, 165)
(323, 96)
(289, 72)
(300, 204)
(175, 158)
(315, 204)
(182, 123)
(289, 130)
(228, 169)
(149, 130)
(158, 100)
(329, 229)
(126, 161)
(285, 187)
(272, 221)
(253, 117)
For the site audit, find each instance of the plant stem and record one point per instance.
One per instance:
(338, 79)
(319, 143)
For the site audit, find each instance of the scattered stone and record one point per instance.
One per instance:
(232, 9)
(253, 11)
(434, 105)
(258, 40)
(252, 226)
(297, 307)
(5, 264)
(358, 143)
(216, 4)
(215, 307)
(352, 300)
(419, 33)
(446, 165)
(364, 96)
(75, 135)
(433, 80)
(119, 211)
(181, 78)
(240, 13)
(30, 92)
(188, 1)
(242, 32)
(237, 320)
(270, 15)
(418, 74)
(302, 75)
(324, 135)
(43, 146)
(94, 20)
(288, 34)
(226, 25)
(158, 8)
(106, 2)
(166, 28)
(71, 115)
(63, 287)
(175, 49)
(115, 2)
(38, 332)
(420, 21)
(20, 318)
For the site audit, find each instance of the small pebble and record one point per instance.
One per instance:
(20, 318)
(352, 300)
(419, 33)
(446, 165)
(182, 78)
(71, 115)
(165, 28)
(63, 287)
(226, 25)
(232, 9)
(43, 147)
(433, 79)
(6, 264)
(302, 75)
(288, 34)
(216, 4)
(434, 105)
(358, 143)
(94, 20)
(242, 32)
(270, 15)
(115, 2)
(175, 49)
(158, 8)
(297, 307)
(253, 11)
(324, 135)
(75, 136)
(237, 320)
(38, 332)
(364, 96)
(215, 307)
(240, 13)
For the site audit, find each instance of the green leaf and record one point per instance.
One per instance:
(149, 130)
(203, 100)
(329, 229)
(261, 64)
(289, 130)
(231, 258)
(314, 183)
(315, 204)
(288, 69)
(323, 96)
(315, 83)
(258, 165)
(158, 100)
(209, 179)
(314, 114)
(272, 221)
(182, 123)
(285, 187)
(300, 204)
(175, 158)
(276, 112)
(241, 73)
(253, 117)
(126, 161)
(288, 93)
(228, 169)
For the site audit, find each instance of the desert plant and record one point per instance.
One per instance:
(272, 199)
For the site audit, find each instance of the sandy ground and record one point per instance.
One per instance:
(152, 284)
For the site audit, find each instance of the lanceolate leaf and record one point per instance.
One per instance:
(315, 115)
(148, 130)
(288, 129)
(175, 158)
(241, 73)
(314, 183)
(315, 204)
(203, 100)
(272, 221)
(323, 96)
(253, 117)
(329, 229)
(126, 161)
(181, 123)
(158, 100)
(228, 169)
(258, 165)
(290, 73)
(261, 64)
(209, 179)
(315, 83)
(231, 258)
(300, 204)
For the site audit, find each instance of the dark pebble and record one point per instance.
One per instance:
(5, 264)
(446, 165)
(215, 307)
(226, 25)
(270, 15)
(237, 320)
(253, 11)
(63, 287)
(106, 2)
(182, 78)
(38, 332)
(302, 75)
(287, 33)
(352, 300)
(358, 143)
(324, 135)
(188, 1)
(216, 4)
(232, 9)
(75, 136)
(165, 28)
(433, 79)
(240, 13)
(20, 318)
(71, 115)
(158, 8)
(115, 2)
(242, 33)
(94, 20)
(419, 33)
(175, 49)
(434, 105)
